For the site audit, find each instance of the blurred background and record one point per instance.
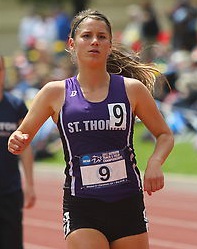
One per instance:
(33, 38)
(12, 11)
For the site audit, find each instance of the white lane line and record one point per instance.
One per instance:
(173, 222)
(43, 223)
(34, 246)
(171, 244)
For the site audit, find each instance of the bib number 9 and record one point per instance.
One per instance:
(117, 114)
(104, 173)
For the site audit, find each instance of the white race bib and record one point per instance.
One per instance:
(103, 169)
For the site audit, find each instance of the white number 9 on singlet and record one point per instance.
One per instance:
(118, 114)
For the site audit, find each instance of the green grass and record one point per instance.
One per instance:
(182, 160)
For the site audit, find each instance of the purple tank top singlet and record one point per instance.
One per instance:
(97, 140)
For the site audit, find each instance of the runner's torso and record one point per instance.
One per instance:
(98, 143)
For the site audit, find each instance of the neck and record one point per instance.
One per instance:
(93, 79)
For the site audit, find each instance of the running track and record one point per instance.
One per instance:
(172, 213)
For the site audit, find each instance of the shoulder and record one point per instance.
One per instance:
(136, 90)
(132, 82)
(52, 89)
(54, 86)
(134, 86)
(52, 95)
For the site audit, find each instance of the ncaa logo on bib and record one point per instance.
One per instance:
(85, 160)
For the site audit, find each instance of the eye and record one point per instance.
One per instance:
(86, 35)
(102, 37)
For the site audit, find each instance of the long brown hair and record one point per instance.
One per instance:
(121, 61)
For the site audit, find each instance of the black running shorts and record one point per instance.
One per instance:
(115, 219)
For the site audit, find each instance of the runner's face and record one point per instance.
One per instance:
(92, 42)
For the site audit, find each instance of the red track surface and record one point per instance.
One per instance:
(172, 214)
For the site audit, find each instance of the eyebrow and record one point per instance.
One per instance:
(90, 31)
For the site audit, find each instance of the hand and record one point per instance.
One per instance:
(153, 177)
(29, 196)
(17, 142)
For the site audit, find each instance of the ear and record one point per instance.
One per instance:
(71, 44)
(110, 51)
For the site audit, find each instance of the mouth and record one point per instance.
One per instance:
(94, 51)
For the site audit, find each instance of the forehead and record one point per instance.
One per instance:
(91, 24)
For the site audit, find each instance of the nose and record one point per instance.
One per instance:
(95, 40)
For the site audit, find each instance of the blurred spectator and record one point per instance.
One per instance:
(142, 30)
(150, 24)
(182, 116)
(179, 62)
(79, 5)
(62, 20)
(26, 26)
(186, 84)
(150, 29)
(184, 20)
(131, 35)
(45, 32)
